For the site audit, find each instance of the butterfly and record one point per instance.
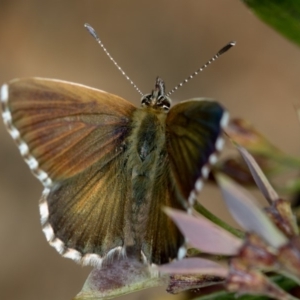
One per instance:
(108, 168)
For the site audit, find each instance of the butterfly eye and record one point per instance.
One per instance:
(164, 102)
(146, 100)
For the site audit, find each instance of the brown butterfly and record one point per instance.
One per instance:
(109, 167)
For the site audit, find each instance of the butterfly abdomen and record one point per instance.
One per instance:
(146, 152)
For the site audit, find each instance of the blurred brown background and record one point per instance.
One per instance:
(258, 80)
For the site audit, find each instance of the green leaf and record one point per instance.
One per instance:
(282, 15)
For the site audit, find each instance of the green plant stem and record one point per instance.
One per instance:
(210, 216)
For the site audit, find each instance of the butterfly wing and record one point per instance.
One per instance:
(193, 134)
(76, 136)
(67, 127)
(87, 212)
(162, 237)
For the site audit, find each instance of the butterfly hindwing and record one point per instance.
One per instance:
(88, 211)
(193, 130)
(163, 238)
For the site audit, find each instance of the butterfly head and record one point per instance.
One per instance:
(157, 99)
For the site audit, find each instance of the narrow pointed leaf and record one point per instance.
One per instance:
(247, 213)
(194, 266)
(258, 175)
(183, 282)
(205, 235)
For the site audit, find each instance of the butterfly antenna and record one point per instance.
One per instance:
(92, 31)
(222, 51)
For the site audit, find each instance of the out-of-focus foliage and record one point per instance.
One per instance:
(282, 15)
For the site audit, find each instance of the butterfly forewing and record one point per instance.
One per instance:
(193, 130)
(68, 127)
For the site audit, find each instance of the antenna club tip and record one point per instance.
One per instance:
(226, 48)
(91, 30)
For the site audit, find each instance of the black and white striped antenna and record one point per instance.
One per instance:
(92, 31)
(222, 51)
